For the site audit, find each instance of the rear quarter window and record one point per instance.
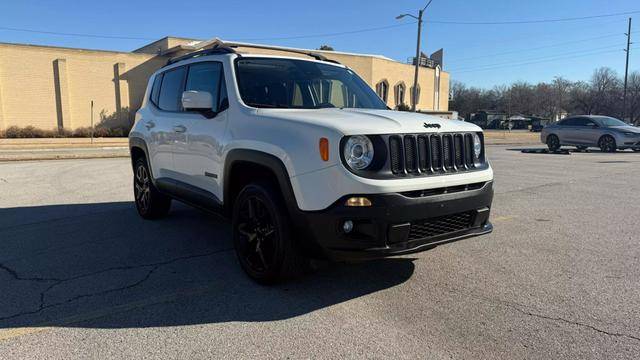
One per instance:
(155, 90)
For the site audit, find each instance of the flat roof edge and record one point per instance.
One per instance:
(53, 47)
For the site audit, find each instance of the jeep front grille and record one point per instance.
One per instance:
(430, 154)
(441, 225)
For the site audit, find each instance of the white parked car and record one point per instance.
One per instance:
(306, 160)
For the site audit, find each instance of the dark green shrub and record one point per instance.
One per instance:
(403, 107)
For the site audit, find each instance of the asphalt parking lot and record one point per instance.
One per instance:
(81, 275)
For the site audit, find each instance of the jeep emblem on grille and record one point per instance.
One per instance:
(437, 126)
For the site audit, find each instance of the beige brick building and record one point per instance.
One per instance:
(52, 87)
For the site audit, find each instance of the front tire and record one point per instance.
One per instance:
(150, 203)
(607, 144)
(553, 143)
(262, 236)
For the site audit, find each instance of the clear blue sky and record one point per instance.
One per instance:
(479, 55)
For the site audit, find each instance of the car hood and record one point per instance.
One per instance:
(369, 122)
(629, 128)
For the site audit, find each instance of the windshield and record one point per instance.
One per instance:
(607, 121)
(299, 84)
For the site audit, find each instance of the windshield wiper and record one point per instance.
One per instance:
(258, 105)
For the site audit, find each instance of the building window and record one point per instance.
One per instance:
(382, 89)
(417, 100)
(400, 90)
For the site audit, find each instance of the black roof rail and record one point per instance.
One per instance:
(314, 55)
(213, 51)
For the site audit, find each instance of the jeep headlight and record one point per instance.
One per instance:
(358, 152)
(477, 146)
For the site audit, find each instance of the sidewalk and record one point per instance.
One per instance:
(62, 148)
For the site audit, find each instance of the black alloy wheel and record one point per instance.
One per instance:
(142, 189)
(150, 203)
(607, 144)
(553, 142)
(261, 235)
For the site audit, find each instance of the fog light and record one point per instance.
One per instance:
(358, 201)
(347, 226)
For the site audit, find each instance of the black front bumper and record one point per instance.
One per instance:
(397, 223)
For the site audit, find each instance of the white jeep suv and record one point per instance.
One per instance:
(305, 159)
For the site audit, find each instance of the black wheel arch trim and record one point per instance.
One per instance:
(139, 143)
(260, 158)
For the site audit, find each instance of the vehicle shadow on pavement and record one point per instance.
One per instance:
(101, 266)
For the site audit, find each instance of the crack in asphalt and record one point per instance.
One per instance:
(16, 276)
(531, 190)
(154, 266)
(520, 308)
(561, 319)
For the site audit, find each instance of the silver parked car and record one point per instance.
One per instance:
(583, 131)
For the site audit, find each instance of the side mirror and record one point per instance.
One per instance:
(200, 101)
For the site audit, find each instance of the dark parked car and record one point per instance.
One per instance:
(538, 124)
(583, 131)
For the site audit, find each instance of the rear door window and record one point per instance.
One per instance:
(580, 122)
(171, 90)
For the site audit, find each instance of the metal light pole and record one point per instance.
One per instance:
(414, 93)
(626, 72)
(92, 121)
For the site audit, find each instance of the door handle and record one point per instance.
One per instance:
(179, 128)
(149, 124)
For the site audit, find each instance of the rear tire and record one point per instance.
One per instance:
(262, 235)
(553, 142)
(607, 144)
(150, 203)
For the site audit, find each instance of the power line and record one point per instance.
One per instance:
(331, 34)
(328, 34)
(240, 39)
(538, 62)
(534, 48)
(76, 34)
(538, 58)
(517, 22)
(539, 35)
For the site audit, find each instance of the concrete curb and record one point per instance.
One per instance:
(61, 157)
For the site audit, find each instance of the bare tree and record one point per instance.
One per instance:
(562, 89)
(633, 96)
(605, 89)
(601, 95)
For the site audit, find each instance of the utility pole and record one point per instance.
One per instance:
(414, 93)
(626, 72)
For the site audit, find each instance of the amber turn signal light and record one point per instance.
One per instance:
(358, 201)
(324, 149)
